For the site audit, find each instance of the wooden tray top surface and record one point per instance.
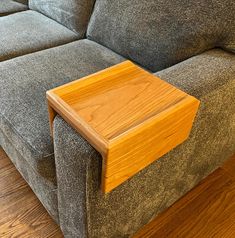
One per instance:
(114, 110)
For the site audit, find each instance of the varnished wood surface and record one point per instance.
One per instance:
(130, 116)
(206, 211)
(21, 213)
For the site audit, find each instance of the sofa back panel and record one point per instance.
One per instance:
(74, 14)
(159, 33)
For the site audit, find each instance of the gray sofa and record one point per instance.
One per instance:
(190, 44)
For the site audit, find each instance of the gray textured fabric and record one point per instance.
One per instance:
(9, 6)
(18, 133)
(72, 169)
(29, 31)
(24, 82)
(73, 14)
(86, 212)
(44, 189)
(160, 33)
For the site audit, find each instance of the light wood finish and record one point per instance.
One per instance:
(206, 211)
(130, 116)
(21, 213)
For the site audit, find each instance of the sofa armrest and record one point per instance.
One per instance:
(85, 212)
(73, 155)
(129, 115)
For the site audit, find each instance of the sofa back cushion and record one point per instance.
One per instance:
(74, 14)
(159, 33)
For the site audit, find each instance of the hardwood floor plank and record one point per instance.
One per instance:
(21, 213)
(206, 211)
(203, 217)
(11, 182)
(32, 221)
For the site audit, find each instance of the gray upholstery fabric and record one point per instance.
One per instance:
(10, 6)
(24, 135)
(24, 82)
(44, 189)
(160, 33)
(73, 14)
(29, 31)
(86, 212)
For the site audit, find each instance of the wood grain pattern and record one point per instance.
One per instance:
(206, 211)
(21, 213)
(130, 116)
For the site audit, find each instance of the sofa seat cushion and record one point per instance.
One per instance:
(10, 6)
(73, 14)
(160, 33)
(24, 82)
(29, 31)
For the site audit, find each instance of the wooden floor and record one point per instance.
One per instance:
(205, 212)
(21, 213)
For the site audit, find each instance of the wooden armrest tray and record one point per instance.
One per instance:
(127, 114)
